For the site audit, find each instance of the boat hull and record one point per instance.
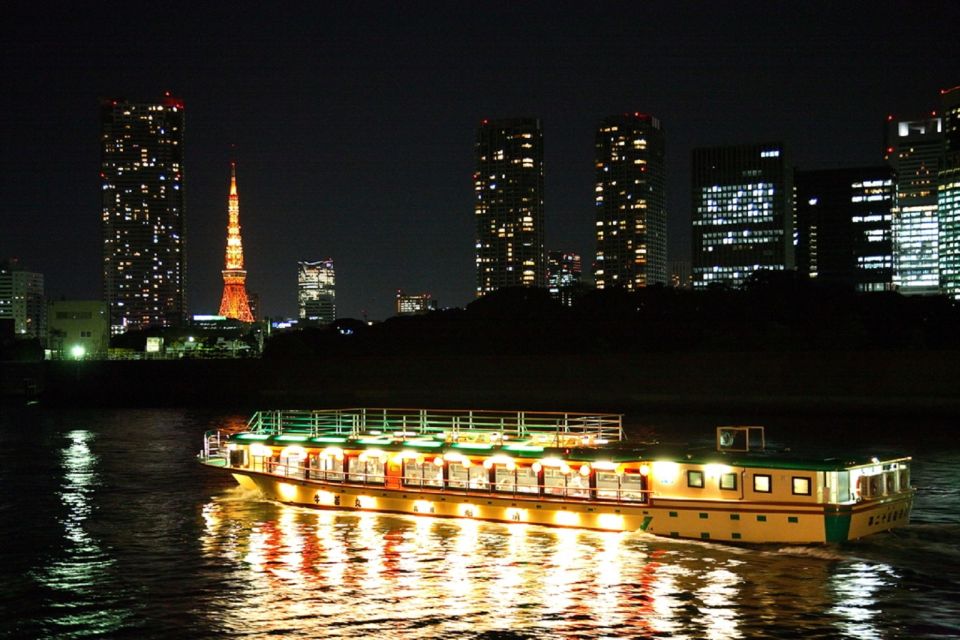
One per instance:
(722, 521)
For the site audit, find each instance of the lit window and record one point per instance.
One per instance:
(695, 479)
(801, 486)
(762, 483)
(728, 481)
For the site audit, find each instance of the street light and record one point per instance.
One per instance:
(78, 351)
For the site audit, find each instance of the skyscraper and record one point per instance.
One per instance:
(742, 213)
(142, 216)
(316, 291)
(234, 303)
(844, 226)
(914, 150)
(508, 205)
(948, 195)
(21, 299)
(631, 215)
(563, 275)
(412, 304)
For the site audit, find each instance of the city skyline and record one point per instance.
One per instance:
(356, 126)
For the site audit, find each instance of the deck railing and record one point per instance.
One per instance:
(548, 427)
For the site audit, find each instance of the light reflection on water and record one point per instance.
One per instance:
(328, 573)
(101, 543)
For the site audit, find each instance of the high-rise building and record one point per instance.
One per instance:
(142, 216)
(844, 226)
(411, 304)
(316, 291)
(914, 150)
(21, 299)
(508, 205)
(563, 275)
(679, 274)
(631, 215)
(742, 213)
(948, 195)
(234, 303)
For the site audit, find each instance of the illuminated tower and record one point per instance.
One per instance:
(631, 215)
(142, 218)
(508, 205)
(234, 303)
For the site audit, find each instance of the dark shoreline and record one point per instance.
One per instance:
(868, 383)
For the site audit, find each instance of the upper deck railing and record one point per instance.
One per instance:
(540, 426)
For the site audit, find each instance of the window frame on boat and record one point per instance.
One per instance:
(697, 474)
(731, 475)
(769, 479)
(801, 479)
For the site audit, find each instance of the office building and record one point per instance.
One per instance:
(948, 195)
(631, 216)
(78, 329)
(742, 213)
(142, 214)
(914, 151)
(21, 299)
(563, 276)
(844, 219)
(316, 291)
(234, 303)
(508, 205)
(411, 304)
(679, 274)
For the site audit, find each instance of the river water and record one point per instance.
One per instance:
(110, 529)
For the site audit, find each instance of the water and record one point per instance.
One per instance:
(110, 529)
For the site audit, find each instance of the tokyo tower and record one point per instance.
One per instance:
(234, 303)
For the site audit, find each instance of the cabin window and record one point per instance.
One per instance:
(327, 467)
(527, 480)
(368, 470)
(422, 474)
(632, 486)
(461, 477)
(238, 457)
(904, 474)
(608, 485)
(695, 479)
(762, 483)
(570, 484)
(728, 481)
(554, 481)
(505, 479)
(801, 486)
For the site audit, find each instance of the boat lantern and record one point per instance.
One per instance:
(585, 470)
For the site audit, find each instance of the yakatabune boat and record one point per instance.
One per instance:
(559, 469)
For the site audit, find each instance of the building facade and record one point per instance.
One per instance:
(22, 299)
(316, 291)
(948, 195)
(630, 202)
(78, 329)
(142, 213)
(564, 271)
(914, 150)
(412, 304)
(844, 219)
(742, 213)
(508, 205)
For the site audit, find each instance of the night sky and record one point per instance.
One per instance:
(354, 122)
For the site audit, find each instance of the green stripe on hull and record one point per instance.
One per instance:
(836, 526)
(646, 523)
